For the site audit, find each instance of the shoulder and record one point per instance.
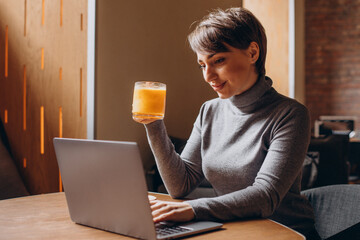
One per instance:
(291, 106)
(210, 110)
(281, 102)
(289, 113)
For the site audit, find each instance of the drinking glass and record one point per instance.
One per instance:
(148, 101)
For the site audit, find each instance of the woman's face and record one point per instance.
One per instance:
(230, 73)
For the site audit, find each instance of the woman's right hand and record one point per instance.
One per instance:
(171, 211)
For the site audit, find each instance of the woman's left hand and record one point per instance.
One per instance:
(171, 211)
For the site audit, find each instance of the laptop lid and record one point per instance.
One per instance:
(105, 188)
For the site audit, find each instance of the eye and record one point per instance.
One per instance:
(219, 60)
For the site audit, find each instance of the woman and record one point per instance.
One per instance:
(249, 143)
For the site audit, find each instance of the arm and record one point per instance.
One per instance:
(180, 175)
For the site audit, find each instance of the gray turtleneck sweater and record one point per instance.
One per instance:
(251, 148)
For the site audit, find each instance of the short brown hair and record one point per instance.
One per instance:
(237, 27)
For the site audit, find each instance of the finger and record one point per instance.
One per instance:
(176, 212)
(159, 210)
(158, 204)
(167, 216)
(153, 202)
(155, 205)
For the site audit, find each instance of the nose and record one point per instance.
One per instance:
(209, 74)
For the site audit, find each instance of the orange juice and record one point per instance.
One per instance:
(149, 100)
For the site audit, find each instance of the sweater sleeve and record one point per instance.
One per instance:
(179, 174)
(281, 166)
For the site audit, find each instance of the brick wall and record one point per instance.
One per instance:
(332, 65)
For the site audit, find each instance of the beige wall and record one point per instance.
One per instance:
(146, 40)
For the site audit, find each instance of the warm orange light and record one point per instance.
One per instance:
(60, 183)
(24, 100)
(60, 123)
(42, 58)
(60, 73)
(42, 130)
(6, 116)
(24, 162)
(61, 13)
(6, 50)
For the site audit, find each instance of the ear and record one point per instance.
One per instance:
(253, 51)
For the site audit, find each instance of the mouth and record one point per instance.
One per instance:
(218, 87)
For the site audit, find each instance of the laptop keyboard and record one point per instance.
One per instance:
(162, 229)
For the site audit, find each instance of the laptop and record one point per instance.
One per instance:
(105, 188)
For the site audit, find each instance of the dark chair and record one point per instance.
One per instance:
(11, 184)
(333, 167)
(336, 210)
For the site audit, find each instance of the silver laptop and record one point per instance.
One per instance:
(105, 188)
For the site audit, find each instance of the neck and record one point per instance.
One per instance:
(254, 76)
(248, 99)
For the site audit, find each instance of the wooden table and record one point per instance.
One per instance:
(46, 217)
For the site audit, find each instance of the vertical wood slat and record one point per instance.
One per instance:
(61, 13)
(60, 123)
(60, 183)
(81, 92)
(60, 136)
(81, 21)
(42, 137)
(42, 59)
(6, 116)
(43, 13)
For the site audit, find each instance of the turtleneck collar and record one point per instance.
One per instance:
(250, 97)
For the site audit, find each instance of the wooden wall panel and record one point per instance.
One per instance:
(43, 83)
(274, 15)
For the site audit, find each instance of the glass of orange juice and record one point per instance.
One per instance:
(148, 101)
